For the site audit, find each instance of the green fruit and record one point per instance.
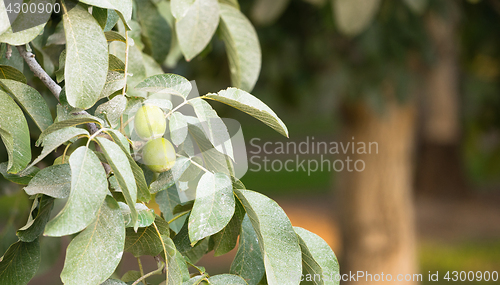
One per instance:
(149, 122)
(159, 155)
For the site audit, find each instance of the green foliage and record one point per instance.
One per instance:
(86, 194)
(15, 134)
(86, 64)
(94, 254)
(20, 263)
(242, 45)
(53, 181)
(213, 207)
(196, 22)
(30, 100)
(110, 56)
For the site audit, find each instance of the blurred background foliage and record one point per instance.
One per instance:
(314, 70)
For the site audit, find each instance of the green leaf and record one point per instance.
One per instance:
(130, 276)
(183, 207)
(114, 81)
(113, 109)
(20, 263)
(21, 37)
(233, 3)
(42, 57)
(94, 254)
(167, 200)
(136, 66)
(242, 46)
(155, 29)
(353, 16)
(196, 24)
(213, 207)
(15, 134)
(16, 178)
(152, 67)
(179, 8)
(248, 262)
(120, 165)
(317, 257)
(58, 37)
(88, 190)
(73, 121)
(37, 220)
(86, 57)
(163, 182)
(183, 170)
(265, 12)
(213, 159)
(162, 103)
(4, 19)
(146, 240)
(121, 140)
(114, 36)
(115, 64)
(251, 105)
(177, 267)
(60, 71)
(145, 216)
(227, 279)
(30, 100)
(213, 126)
(166, 83)
(191, 253)
(122, 6)
(54, 181)
(9, 72)
(178, 128)
(113, 282)
(113, 18)
(197, 280)
(143, 194)
(277, 239)
(225, 240)
(100, 15)
(54, 140)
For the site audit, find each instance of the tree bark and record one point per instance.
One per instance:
(377, 213)
(440, 172)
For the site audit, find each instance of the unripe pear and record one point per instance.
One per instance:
(149, 122)
(159, 155)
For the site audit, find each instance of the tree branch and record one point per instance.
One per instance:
(39, 72)
(55, 89)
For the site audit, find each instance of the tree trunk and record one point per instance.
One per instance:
(440, 171)
(377, 213)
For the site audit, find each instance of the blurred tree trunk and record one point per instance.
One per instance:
(439, 170)
(377, 215)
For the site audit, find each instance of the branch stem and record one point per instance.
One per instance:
(141, 270)
(156, 272)
(164, 250)
(127, 47)
(39, 72)
(178, 216)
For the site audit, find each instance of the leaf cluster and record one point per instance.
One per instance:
(110, 60)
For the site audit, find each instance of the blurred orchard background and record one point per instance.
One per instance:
(419, 77)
